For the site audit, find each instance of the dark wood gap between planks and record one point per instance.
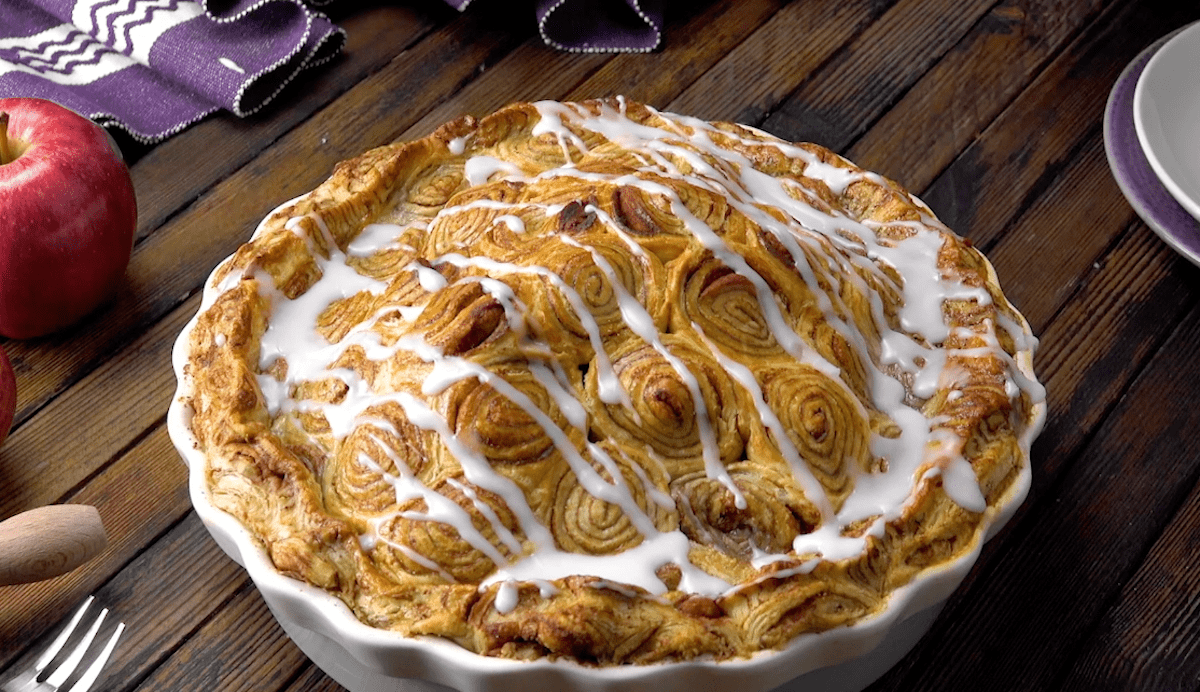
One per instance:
(313, 679)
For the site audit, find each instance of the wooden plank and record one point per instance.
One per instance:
(168, 593)
(922, 133)
(1010, 165)
(312, 679)
(72, 436)
(1104, 337)
(139, 497)
(874, 70)
(696, 40)
(531, 72)
(750, 81)
(1062, 234)
(240, 647)
(1150, 638)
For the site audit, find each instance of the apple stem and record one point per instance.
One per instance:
(5, 152)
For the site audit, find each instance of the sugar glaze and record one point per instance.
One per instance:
(915, 350)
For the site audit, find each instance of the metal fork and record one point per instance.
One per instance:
(39, 679)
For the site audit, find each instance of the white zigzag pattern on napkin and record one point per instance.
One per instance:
(63, 55)
(105, 36)
(131, 27)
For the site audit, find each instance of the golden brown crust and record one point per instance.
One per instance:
(510, 274)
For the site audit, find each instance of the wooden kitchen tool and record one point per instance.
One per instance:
(48, 541)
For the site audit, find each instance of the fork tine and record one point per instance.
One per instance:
(59, 676)
(89, 676)
(61, 639)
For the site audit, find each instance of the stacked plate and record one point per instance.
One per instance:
(1152, 138)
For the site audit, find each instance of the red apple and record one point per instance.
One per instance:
(67, 217)
(8, 395)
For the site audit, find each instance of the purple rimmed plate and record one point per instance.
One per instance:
(1137, 180)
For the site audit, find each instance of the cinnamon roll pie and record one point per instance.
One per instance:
(597, 382)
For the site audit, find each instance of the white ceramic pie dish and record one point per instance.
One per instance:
(366, 659)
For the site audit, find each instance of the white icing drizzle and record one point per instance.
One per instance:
(914, 349)
(506, 596)
(479, 169)
(373, 238)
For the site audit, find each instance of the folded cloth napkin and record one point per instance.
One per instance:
(153, 67)
(597, 26)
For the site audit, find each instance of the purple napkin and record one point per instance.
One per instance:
(601, 26)
(153, 67)
(597, 26)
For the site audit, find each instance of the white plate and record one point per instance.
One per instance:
(1166, 114)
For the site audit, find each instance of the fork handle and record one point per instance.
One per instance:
(48, 541)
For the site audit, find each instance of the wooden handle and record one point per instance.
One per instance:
(48, 541)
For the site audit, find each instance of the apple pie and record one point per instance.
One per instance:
(595, 382)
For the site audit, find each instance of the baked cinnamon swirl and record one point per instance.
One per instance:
(593, 381)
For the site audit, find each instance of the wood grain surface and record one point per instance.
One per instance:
(991, 111)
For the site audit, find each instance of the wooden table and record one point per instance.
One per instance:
(991, 111)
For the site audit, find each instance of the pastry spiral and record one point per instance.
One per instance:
(610, 384)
